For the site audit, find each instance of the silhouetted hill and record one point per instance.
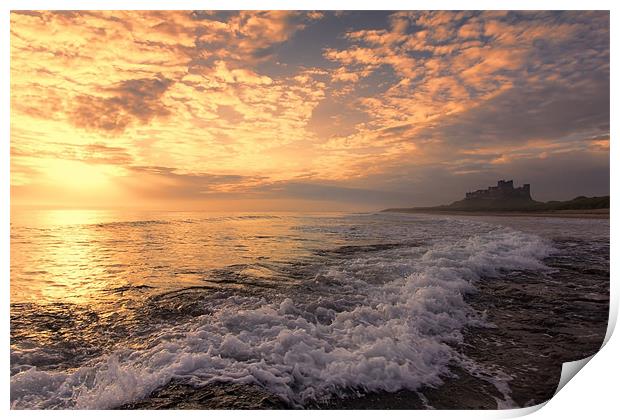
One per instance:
(505, 204)
(520, 205)
(505, 197)
(578, 203)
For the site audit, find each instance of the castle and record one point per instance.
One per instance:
(504, 190)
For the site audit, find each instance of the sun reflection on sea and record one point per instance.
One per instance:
(90, 256)
(59, 217)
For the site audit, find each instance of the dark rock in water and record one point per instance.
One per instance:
(461, 390)
(541, 321)
(219, 396)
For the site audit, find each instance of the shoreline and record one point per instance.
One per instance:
(574, 214)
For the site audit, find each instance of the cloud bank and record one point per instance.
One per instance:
(366, 109)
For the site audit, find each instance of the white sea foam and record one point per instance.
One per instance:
(354, 330)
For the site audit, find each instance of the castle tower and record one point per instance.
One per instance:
(526, 190)
(505, 184)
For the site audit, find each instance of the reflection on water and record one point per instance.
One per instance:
(59, 217)
(86, 256)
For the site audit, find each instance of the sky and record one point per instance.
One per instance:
(310, 111)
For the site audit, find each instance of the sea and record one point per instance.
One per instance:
(173, 310)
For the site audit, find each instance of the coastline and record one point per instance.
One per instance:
(575, 214)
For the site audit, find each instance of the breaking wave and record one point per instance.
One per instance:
(383, 320)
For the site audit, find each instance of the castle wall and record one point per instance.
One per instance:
(503, 190)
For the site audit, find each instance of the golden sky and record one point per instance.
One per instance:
(282, 110)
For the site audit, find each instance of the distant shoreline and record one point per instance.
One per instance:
(575, 214)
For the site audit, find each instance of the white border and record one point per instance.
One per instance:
(591, 395)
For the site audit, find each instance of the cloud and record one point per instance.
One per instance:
(170, 183)
(109, 155)
(131, 101)
(309, 104)
(249, 37)
(95, 153)
(547, 111)
(534, 79)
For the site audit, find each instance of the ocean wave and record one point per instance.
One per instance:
(383, 321)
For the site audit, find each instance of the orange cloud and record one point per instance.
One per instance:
(210, 96)
(131, 100)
